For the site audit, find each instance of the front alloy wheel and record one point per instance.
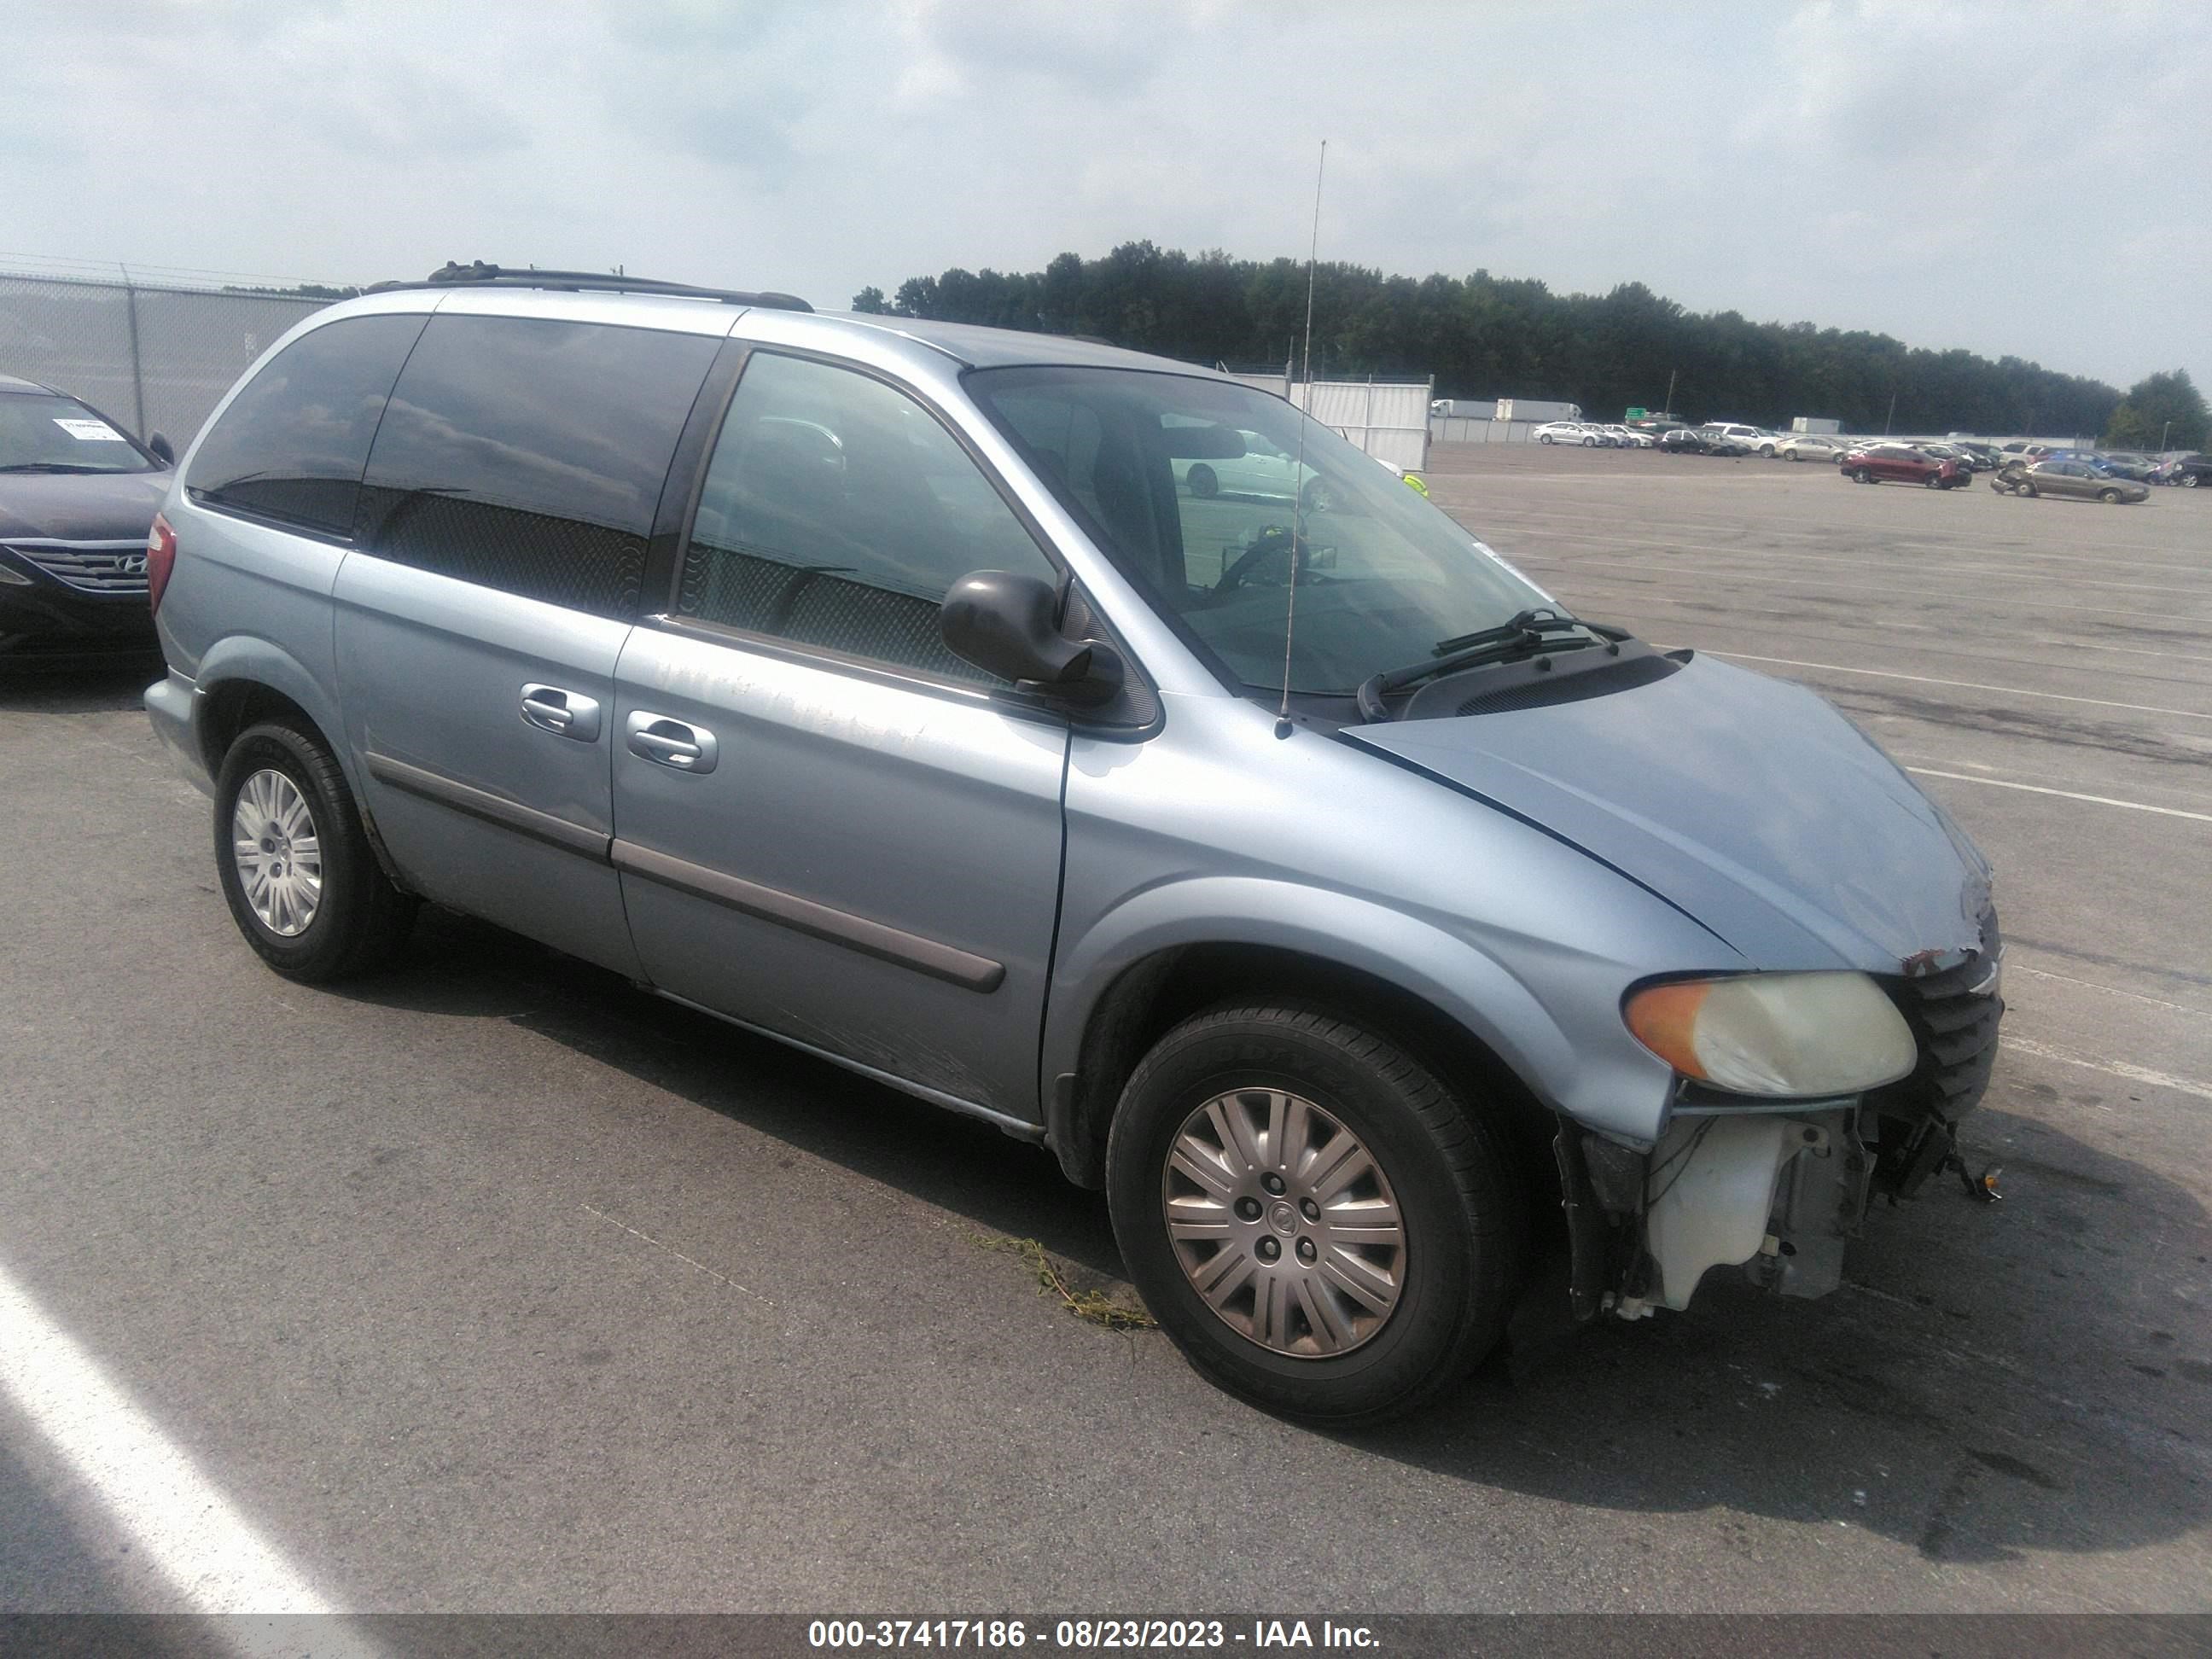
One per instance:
(1284, 1223)
(1318, 1221)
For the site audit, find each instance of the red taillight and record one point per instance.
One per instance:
(161, 559)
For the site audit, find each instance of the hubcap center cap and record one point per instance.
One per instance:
(1282, 1217)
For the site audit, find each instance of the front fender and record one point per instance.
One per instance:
(1607, 1082)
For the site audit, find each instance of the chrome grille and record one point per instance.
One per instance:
(93, 567)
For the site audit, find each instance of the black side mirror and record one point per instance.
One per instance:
(1002, 623)
(164, 452)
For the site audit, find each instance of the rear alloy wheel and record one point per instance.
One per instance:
(1589, 443)
(1317, 1221)
(1543, 437)
(2025, 488)
(295, 866)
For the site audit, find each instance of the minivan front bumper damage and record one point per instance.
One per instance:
(1776, 1188)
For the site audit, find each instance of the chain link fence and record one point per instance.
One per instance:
(151, 356)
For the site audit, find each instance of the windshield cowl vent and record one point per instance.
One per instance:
(1571, 677)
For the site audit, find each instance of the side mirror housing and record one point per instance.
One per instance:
(164, 451)
(1002, 623)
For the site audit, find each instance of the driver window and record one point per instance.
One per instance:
(836, 512)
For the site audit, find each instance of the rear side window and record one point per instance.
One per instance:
(292, 444)
(527, 455)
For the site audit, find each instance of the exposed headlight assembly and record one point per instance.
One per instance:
(1781, 1034)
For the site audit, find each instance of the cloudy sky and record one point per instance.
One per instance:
(2010, 177)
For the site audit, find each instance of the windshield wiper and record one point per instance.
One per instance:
(49, 466)
(1538, 629)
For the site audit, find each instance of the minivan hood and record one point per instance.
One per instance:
(1746, 802)
(80, 507)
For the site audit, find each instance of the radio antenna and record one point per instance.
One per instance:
(1298, 472)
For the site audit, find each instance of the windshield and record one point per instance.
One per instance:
(42, 432)
(1196, 489)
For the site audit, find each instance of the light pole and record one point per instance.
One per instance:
(1891, 416)
(2162, 431)
(1668, 408)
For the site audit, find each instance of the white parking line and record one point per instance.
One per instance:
(1970, 685)
(2063, 794)
(2012, 967)
(1984, 601)
(204, 1547)
(2112, 1067)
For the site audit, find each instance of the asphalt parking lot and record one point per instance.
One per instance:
(494, 1285)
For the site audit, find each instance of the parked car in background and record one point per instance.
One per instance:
(2187, 470)
(1966, 459)
(1985, 455)
(925, 726)
(1902, 464)
(1572, 432)
(77, 497)
(1261, 470)
(2124, 463)
(1751, 437)
(1624, 438)
(2078, 479)
(1685, 440)
(1809, 446)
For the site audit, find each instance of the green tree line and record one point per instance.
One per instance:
(1491, 337)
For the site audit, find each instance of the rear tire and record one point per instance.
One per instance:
(296, 865)
(2189, 480)
(1224, 1095)
(1933, 480)
(1204, 482)
(2025, 489)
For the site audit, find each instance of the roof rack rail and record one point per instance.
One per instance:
(477, 274)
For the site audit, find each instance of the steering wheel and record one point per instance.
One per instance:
(1273, 543)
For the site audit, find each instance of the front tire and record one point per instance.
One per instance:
(1318, 1222)
(1863, 476)
(2110, 497)
(294, 863)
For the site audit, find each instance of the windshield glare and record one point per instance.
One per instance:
(1196, 490)
(39, 431)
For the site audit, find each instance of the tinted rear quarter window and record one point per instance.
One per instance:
(528, 455)
(292, 444)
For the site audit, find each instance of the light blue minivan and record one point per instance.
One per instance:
(1370, 928)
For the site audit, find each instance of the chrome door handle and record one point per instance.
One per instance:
(551, 709)
(670, 743)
